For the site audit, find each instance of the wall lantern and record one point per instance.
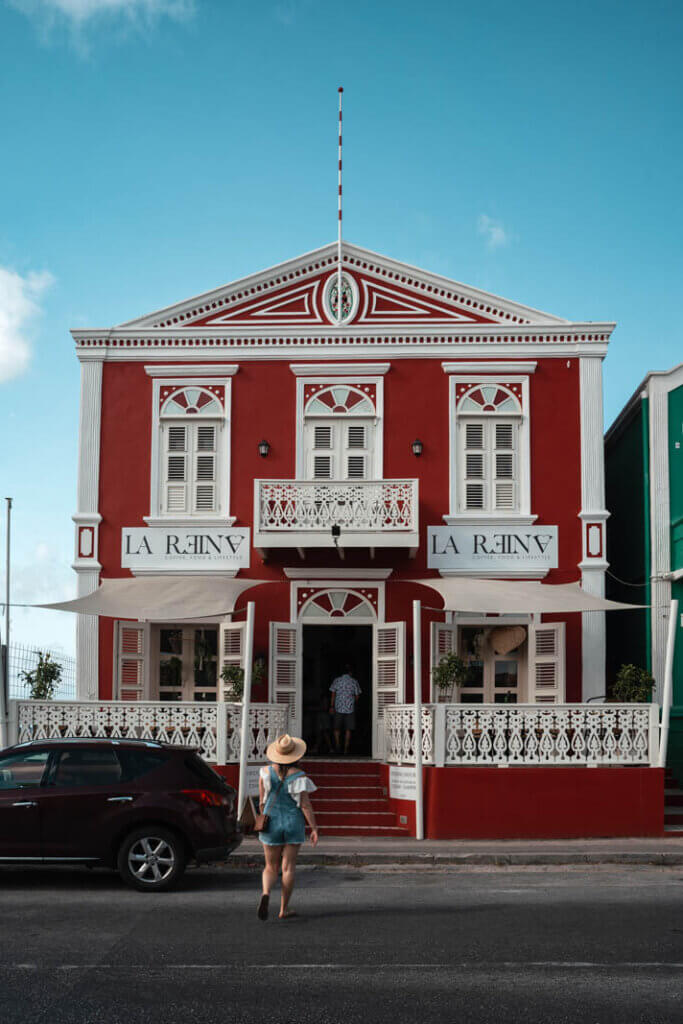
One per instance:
(263, 448)
(417, 446)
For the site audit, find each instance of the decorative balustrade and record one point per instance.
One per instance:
(365, 510)
(214, 729)
(525, 734)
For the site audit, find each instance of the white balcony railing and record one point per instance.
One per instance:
(370, 513)
(525, 734)
(214, 728)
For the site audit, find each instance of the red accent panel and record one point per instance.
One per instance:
(543, 803)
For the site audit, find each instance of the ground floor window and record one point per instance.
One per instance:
(491, 678)
(185, 662)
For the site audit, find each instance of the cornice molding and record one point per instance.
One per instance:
(205, 370)
(490, 366)
(302, 574)
(339, 369)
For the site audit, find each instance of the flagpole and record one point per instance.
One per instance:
(339, 217)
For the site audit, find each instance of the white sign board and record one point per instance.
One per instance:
(201, 547)
(402, 783)
(500, 548)
(252, 779)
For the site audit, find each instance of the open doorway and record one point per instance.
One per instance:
(326, 650)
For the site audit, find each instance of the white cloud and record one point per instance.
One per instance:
(19, 307)
(76, 14)
(494, 232)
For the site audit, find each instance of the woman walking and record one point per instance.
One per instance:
(283, 797)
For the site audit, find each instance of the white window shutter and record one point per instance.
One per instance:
(488, 465)
(444, 640)
(547, 663)
(284, 668)
(176, 468)
(230, 651)
(131, 654)
(390, 644)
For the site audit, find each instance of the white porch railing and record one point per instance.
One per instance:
(387, 510)
(525, 734)
(213, 728)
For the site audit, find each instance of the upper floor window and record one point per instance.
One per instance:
(489, 447)
(190, 449)
(340, 439)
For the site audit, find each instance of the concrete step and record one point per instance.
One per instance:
(338, 781)
(674, 817)
(378, 832)
(348, 793)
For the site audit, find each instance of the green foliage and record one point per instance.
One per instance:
(44, 679)
(451, 671)
(233, 677)
(633, 685)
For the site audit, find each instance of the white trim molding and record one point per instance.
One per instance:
(593, 516)
(338, 369)
(309, 575)
(182, 370)
(349, 377)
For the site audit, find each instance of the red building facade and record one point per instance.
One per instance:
(435, 429)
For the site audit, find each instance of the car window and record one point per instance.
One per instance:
(22, 769)
(96, 766)
(136, 762)
(201, 770)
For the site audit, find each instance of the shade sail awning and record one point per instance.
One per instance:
(509, 597)
(160, 598)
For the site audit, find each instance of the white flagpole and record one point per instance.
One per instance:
(417, 700)
(339, 218)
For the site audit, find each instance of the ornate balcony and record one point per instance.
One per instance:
(369, 513)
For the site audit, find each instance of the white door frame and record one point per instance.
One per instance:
(492, 622)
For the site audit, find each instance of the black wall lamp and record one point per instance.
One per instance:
(417, 447)
(263, 448)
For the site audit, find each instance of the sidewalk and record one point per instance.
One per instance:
(433, 852)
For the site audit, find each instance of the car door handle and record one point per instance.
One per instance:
(119, 799)
(24, 803)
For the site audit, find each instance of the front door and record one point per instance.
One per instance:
(21, 773)
(329, 651)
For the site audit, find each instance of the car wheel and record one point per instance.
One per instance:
(151, 859)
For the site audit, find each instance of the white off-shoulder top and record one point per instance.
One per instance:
(295, 786)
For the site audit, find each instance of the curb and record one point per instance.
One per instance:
(242, 860)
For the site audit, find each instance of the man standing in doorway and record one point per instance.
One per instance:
(345, 693)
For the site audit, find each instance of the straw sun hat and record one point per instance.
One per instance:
(285, 749)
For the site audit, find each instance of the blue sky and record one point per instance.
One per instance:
(153, 149)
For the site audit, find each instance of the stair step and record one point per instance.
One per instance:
(673, 799)
(674, 830)
(674, 817)
(364, 793)
(323, 805)
(340, 781)
(378, 832)
(371, 818)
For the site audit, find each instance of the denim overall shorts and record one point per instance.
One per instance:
(287, 825)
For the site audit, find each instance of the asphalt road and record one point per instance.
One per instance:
(591, 945)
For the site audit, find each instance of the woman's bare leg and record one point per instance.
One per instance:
(289, 855)
(273, 855)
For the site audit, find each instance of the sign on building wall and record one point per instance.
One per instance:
(475, 548)
(402, 783)
(167, 548)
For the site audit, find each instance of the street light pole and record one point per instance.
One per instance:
(4, 683)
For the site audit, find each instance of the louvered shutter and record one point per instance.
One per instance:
(322, 453)
(204, 458)
(130, 661)
(474, 466)
(357, 454)
(547, 663)
(444, 640)
(488, 461)
(176, 468)
(283, 675)
(504, 466)
(230, 652)
(390, 642)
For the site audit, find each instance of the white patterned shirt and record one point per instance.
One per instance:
(345, 688)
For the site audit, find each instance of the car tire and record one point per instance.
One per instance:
(151, 859)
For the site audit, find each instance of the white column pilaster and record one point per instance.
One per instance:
(593, 518)
(660, 525)
(87, 520)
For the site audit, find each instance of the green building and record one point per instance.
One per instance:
(644, 494)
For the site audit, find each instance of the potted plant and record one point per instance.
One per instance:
(233, 677)
(44, 679)
(633, 685)
(450, 673)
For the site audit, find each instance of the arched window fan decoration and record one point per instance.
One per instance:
(192, 401)
(490, 398)
(341, 399)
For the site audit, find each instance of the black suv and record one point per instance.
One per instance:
(145, 808)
